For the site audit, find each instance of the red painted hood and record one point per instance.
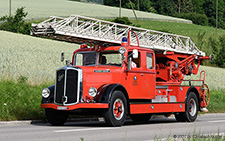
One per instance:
(96, 76)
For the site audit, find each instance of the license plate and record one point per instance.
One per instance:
(61, 108)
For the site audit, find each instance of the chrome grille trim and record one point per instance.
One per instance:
(79, 86)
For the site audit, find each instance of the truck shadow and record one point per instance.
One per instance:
(96, 123)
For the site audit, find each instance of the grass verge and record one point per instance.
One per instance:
(217, 101)
(21, 101)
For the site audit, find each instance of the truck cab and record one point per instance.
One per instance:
(133, 68)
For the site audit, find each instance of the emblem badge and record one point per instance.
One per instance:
(60, 77)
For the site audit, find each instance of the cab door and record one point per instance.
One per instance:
(149, 75)
(140, 80)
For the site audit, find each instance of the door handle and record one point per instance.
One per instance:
(142, 74)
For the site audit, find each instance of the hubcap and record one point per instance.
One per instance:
(118, 109)
(192, 107)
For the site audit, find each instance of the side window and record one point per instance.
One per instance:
(149, 61)
(135, 63)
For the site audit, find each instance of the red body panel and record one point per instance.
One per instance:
(157, 108)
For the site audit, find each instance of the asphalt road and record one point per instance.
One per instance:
(157, 128)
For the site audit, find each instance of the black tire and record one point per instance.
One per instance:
(140, 118)
(56, 117)
(191, 109)
(117, 111)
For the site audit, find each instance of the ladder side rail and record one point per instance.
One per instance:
(149, 40)
(54, 18)
(124, 32)
(187, 44)
(146, 41)
(119, 31)
(59, 22)
(115, 32)
(181, 44)
(156, 40)
(81, 26)
(46, 21)
(169, 41)
(165, 39)
(193, 45)
(142, 34)
(66, 23)
(89, 27)
(108, 30)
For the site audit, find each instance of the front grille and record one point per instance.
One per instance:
(66, 91)
(60, 80)
(71, 86)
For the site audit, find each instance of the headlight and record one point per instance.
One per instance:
(45, 92)
(92, 91)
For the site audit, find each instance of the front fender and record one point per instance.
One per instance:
(105, 92)
(50, 99)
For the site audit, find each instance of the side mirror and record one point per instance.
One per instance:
(62, 57)
(135, 53)
(211, 57)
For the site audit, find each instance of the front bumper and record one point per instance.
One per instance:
(76, 106)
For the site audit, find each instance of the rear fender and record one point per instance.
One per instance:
(193, 89)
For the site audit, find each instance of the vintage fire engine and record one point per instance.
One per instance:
(126, 71)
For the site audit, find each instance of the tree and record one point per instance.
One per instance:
(145, 5)
(165, 7)
(15, 23)
(218, 50)
(220, 60)
(210, 10)
(198, 6)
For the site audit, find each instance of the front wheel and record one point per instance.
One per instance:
(56, 117)
(191, 109)
(117, 112)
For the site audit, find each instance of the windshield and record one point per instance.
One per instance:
(91, 58)
(85, 59)
(112, 58)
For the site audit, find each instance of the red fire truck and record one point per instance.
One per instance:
(124, 80)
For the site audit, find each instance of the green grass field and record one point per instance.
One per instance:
(31, 57)
(42, 9)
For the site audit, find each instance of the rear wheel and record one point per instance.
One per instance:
(117, 112)
(140, 118)
(191, 109)
(56, 117)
